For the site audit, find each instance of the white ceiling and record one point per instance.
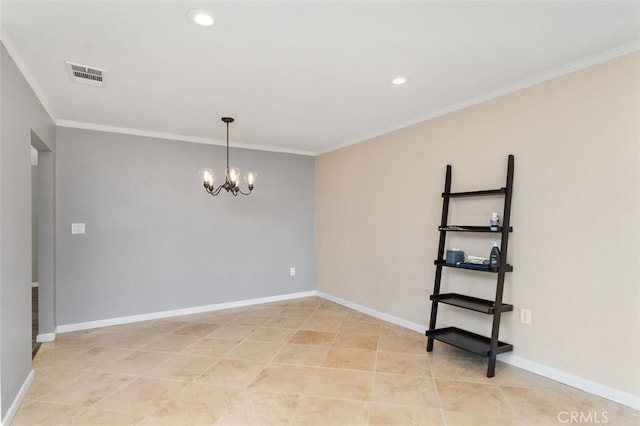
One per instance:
(300, 76)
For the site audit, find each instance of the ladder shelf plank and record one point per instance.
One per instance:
(472, 303)
(507, 267)
(484, 192)
(472, 228)
(468, 341)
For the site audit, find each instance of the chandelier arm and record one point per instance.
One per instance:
(216, 192)
(244, 193)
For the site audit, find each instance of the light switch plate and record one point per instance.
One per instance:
(77, 228)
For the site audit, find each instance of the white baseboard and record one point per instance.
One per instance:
(66, 328)
(598, 389)
(13, 409)
(45, 337)
(420, 328)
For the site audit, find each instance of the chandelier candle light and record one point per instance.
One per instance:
(232, 175)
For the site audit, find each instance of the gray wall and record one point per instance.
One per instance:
(22, 116)
(156, 241)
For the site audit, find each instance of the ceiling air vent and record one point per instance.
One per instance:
(85, 74)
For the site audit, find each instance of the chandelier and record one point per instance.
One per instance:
(231, 176)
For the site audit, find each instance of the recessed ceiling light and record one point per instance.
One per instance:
(201, 17)
(398, 81)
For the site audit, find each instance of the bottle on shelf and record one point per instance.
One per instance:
(494, 221)
(494, 257)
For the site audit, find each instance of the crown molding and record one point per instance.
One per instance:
(523, 84)
(8, 43)
(175, 137)
(11, 47)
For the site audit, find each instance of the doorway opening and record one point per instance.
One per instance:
(35, 345)
(43, 240)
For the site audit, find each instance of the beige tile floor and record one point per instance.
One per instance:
(301, 362)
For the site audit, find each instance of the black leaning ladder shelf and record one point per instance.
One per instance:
(485, 346)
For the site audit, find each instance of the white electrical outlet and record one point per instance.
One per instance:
(292, 271)
(525, 316)
(77, 228)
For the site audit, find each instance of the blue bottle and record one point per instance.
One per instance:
(494, 257)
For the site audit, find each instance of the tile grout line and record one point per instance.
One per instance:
(373, 378)
(435, 386)
(513, 410)
(304, 394)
